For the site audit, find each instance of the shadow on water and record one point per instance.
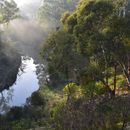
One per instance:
(24, 85)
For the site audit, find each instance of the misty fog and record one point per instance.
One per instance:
(24, 33)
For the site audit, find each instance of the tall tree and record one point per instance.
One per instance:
(8, 10)
(101, 35)
(51, 11)
(63, 62)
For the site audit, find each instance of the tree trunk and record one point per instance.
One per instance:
(126, 73)
(115, 80)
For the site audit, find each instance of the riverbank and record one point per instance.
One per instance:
(10, 61)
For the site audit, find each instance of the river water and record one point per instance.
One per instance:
(25, 85)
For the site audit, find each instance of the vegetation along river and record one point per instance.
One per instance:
(26, 83)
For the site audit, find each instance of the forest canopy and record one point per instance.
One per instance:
(51, 11)
(85, 81)
(93, 41)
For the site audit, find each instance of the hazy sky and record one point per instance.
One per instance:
(22, 2)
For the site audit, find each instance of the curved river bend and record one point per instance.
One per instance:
(25, 85)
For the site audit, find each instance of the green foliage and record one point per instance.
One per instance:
(63, 62)
(8, 11)
(37, 99)
(90, 46)
(51, 11)
(15, 113)
(55, 110)
(90, 89)
(21, 125)
(99, 36)
(72, 89)
(90, 53)
(95, 113)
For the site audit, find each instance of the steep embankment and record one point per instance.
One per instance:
(10, 62)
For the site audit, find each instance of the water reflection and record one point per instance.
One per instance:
(25, 85)
(4, 101)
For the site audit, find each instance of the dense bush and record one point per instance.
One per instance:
(37, 99)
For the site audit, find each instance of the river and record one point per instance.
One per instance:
(24, 86)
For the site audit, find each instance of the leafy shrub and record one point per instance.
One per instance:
(37, 99)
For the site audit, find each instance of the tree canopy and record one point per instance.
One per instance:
(98, 36)
(51, 11)
(8, 11)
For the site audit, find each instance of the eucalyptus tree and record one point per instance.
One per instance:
(88, 24)
(8, 11)
(101, 34)
(63, 62)
(51, 11)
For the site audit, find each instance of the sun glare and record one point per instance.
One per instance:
(23, 2)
